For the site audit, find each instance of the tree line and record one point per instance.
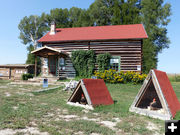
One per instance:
(153, 14)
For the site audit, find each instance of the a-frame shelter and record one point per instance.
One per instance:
(94, 91)
(156, 87)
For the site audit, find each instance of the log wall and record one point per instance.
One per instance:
(69, 71)
(130, 51)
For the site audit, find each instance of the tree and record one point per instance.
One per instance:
(31, 29)
(74, 16)
(113, 12)
(79, 17)
(126, 12)
(155, 17)
(30, 56)
(60, 16)
(100, 12)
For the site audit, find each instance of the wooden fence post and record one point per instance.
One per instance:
(58, 66)
(35, 67)
(9, 73)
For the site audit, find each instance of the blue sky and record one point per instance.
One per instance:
(12, 11)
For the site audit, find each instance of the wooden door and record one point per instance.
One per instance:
(52, 65)
(13, 73)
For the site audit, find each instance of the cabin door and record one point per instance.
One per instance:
(52, 65)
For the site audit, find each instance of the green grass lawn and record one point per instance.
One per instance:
(21, 107)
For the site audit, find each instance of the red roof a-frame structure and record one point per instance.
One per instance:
(156, 85)
(94, 91)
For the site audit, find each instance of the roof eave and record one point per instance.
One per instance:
(145, 31)
(49, 48)
(90, 40)
(16, 66)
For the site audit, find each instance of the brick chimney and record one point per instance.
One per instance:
(53, 28)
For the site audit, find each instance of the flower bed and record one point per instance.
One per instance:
(112, 76)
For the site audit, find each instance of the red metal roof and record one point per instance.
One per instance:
(133, 31)
(168, 92)
(98, 92)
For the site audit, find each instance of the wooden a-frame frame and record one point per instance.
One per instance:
(155, 114)
(80, 84)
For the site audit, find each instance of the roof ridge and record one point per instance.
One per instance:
(100, 26)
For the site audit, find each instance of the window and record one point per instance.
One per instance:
(138, 67)
(62, 64)
(115, 63)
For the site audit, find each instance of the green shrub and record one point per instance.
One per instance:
(83, 62)
(27, 76)
(103, 61)
(112, 76)
(177, 78)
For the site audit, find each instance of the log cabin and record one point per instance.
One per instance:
(123, 42)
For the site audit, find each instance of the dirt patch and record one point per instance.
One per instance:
(65, 111)
(7, 94)
(7, 132)
(95, 114)
(109, 124)
(50, 114)
(3, 87)
(79, 133)
(92, 119)
(66, 117)
(95, 134)
(26, 131)
(152, 126)
(85, 110)
(15, 107)
(70, 116)
(25, 83)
